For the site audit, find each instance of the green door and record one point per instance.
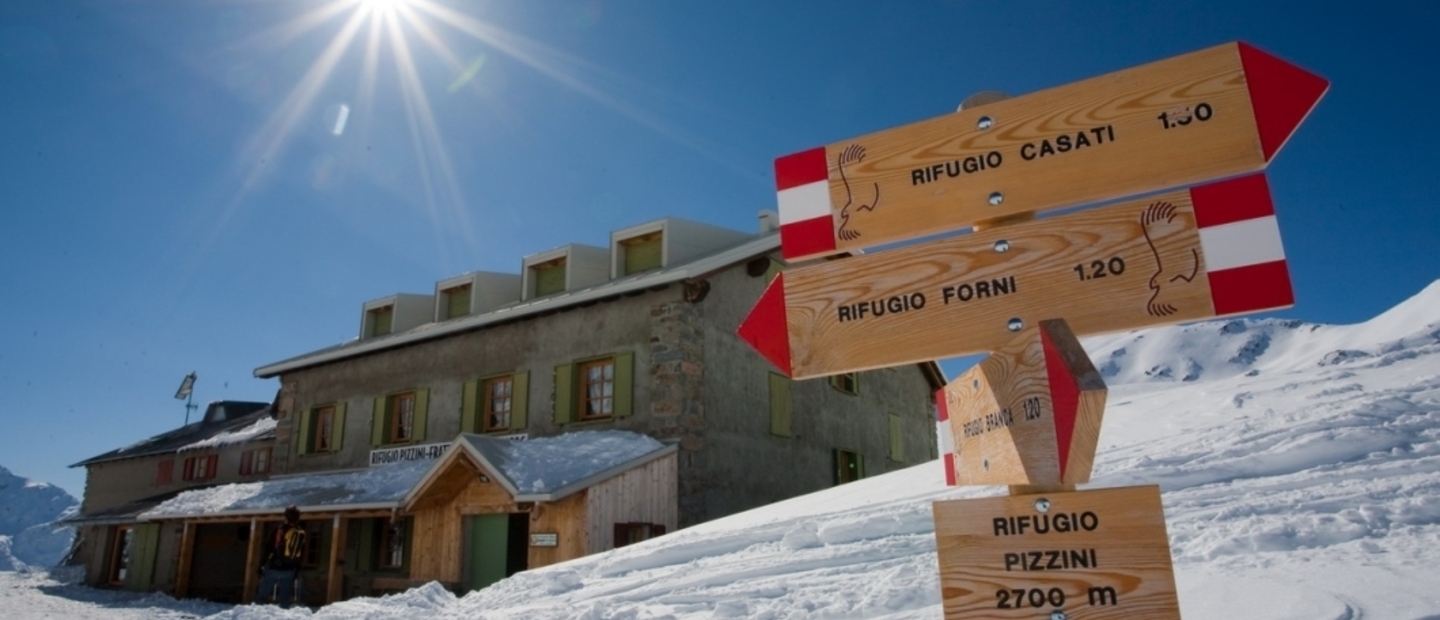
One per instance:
(486, 549)
(141, 571)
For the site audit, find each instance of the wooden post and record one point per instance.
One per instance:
(333, 584)
(187, 553)
(252, 561)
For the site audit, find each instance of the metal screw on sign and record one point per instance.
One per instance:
(1015, 325)
(996, 198)
(1042, 505)
(1058, 615)
(985, 122)
(1002, 246)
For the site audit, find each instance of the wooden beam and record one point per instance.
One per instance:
(333, 590)
(187, 553)
(252, 561)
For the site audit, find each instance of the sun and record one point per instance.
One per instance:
(382, 6)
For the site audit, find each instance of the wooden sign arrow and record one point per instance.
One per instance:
(1180, 256)
(1027, 415)
(1210, 114)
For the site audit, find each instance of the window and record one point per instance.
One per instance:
(496, 404)
(549, 277)
(849, 466)
(165, 472)
(200, 467)
(456, 300)
(316, 542)
(594, 389)
(379, 321)
(631, 533)
(402, 417)
(780, 406)
(321, 430)
(399, 418)
(848, 383)
(391, 552)
(120, 544)
(597, 389)
(897, 438)
(255, 462)
(642, 253)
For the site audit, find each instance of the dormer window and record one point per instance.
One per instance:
(549, 277)
(379, 321)
(642, 253)
(455, 302)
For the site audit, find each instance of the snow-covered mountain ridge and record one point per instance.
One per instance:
(27, 511)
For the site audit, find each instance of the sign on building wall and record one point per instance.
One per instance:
(546, 539)
(426, 452)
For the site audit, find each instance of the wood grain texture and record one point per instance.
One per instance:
(880, 191)
(1130, 548)
(335, 577)
(187, 555)
(1050, 269)
(999, 439)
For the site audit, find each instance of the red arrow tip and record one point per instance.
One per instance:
(766, 329)
(1281, 93)
(1064, 399)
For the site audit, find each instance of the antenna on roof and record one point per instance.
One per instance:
(187, 387)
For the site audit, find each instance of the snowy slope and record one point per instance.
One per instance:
(27, 510)
(1298, 462)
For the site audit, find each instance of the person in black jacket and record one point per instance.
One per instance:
(281, 568)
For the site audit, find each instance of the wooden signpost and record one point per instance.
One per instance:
(1180, 256)
(1029, 415)
(1211, 114)
(1091, 555)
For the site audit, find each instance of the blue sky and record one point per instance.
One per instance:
(175, 196)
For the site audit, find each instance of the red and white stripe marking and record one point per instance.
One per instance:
(945, 436)
(1240, 238)
(802, 185)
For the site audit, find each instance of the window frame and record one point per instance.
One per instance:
(845, 383)
(583, 384)
(119, 555)
(387, 558)
(256, 462)
(487, 404)
(840, 461)
(200, 468)
(630, 264)
(540, 271)
(322, 429)
(400, 417)
(634, 532)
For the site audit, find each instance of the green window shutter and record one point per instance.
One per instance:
(549, 279)
(422, 405)
(377, 421)
(365, 549)
(405, 540)
(897, 439)
(780, 412)
(642, 254)
(519, 401)
(564, 393)
(624, 384)
(457, 302)
(839, 460)
(468, 406)
(859, 465)
(337, 427)
(302, 436)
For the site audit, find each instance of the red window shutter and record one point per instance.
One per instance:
(211, 462)
(165, 473)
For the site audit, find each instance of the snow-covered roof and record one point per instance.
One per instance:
(540, 469)
(701, 267)
(225, 422)
(550, 468)
(377, 487)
